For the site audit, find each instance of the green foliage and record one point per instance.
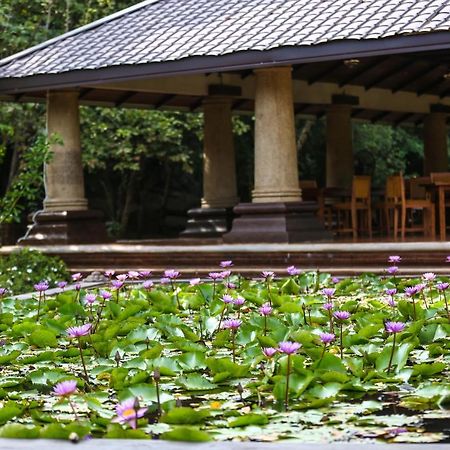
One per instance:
(20, 270)
(27, 184)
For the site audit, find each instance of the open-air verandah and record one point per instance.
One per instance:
(400, 79)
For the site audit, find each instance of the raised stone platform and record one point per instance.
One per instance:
(201, 256)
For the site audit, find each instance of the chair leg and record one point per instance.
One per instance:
(395, 223)
(429, 223)
(387, 219)
(403, 223)
(369, 220)
(354, 220)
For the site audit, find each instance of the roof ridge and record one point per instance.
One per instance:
(78, 30)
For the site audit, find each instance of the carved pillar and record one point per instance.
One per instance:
(435, 142)
(339, 161)
(64, 181)
(276, 213)
(65, 218)
(219, 172)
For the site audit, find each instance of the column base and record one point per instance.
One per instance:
(208, 222)
(65, 227)
(277, 222)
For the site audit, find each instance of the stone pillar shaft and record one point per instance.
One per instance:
(219, 167)
(276, 171)
(339, 160)
(435, 143)
(64, 182)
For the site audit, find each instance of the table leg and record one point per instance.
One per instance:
(441, 200)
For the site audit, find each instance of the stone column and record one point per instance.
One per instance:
(276, 213)
(214, 217)
(64, 182)
(435, 143)
(65, 218)
(339, 161)
(219, 167)
(276, 171)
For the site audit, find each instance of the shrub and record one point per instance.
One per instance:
(20, 270)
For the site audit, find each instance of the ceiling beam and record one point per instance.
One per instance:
(300, 107)
(436, 82)
(246, 74)
(124, 97)
(196, 104)
(390, 73)
(84, 92)
(238, 103)
(164, 100)
(356, 73)
(297, 69)
(356, 113)
(403, 118)
(324, 72)
(404, 83)
(380, 116)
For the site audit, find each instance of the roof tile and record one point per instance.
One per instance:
(168, 30)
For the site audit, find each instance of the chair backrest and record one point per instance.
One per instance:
(361, 189)
(307, 184)
(310, 190)
(417, 189)
(440, 177)
(395, 189)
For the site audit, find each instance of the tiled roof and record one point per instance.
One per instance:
(170, 30)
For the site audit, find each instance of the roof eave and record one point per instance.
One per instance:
(344, 49)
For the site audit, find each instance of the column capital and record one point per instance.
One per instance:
(437, 108)
(217, 100)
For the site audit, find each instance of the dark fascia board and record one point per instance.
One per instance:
(243, 60)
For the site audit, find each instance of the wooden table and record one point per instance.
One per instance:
(441, 188)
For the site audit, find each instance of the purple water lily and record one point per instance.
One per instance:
(293, 271)
(225, 264)
(289, 348)
(148, 285)
(328, 292)
(266, 309)
(129, 412)
(76, 333)
(171, 274)
(341, 316)
(393, 328)
(65, 388)
(269, 352)
(392, 270)
(233, 325)
(394, 259)
(327, 338)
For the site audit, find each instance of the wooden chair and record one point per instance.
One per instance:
(309, 189)
(391, 206)
(359, 206)
(405, 208)
(441, 181)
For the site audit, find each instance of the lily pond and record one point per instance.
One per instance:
(299, 356)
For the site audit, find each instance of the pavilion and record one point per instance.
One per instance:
(374, 60)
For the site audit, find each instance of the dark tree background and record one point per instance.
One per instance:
(143, 168)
